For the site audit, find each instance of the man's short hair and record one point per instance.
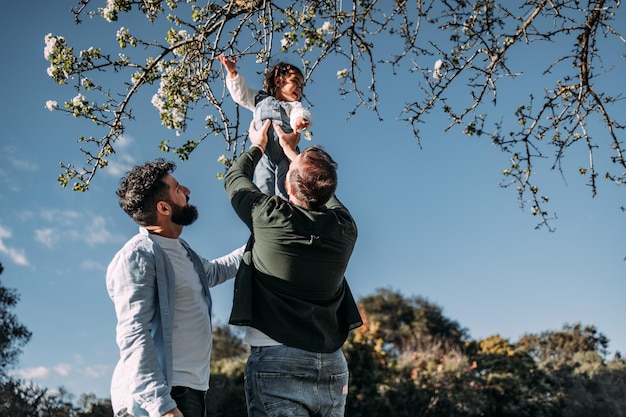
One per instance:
(314, 180)
(142, 187)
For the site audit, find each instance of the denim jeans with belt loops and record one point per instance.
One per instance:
(282, 381)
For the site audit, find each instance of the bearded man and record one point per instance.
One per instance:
(160, 289)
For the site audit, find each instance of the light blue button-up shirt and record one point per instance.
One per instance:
(140, 281)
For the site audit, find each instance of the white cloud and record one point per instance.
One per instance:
(9, 181)
(97, 371)
(118, 167)
(93, 265)
(15, 167)
(92, 234)
(124, 142)
(63, 369)
(122, 161)
(19, 164)
(43, 372)
(63, 217)
(25, 165)
(73, 225)
(16, 255)
(97, 231)
(38, 372)
(46, 375)
(46, 237)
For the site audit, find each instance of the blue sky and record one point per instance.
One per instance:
(432, 221)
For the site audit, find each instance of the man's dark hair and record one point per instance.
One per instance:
(314, 180)
(142, 187)
(279, 70)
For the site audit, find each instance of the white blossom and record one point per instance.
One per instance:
(157, 102)
(86, 53)
(178, 115)
(109, 12)
(47, 51)
(327, 27)
(342, 73)
(437, 74)
(181, 36)
(288, 39)
(51, 45)
(78, 100)
(210, 121)
(51, 105)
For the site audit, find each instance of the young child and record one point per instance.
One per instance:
(279, 101)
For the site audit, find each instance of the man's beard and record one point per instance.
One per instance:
(184, 215)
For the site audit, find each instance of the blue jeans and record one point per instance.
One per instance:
(189, 401)
(282, 381)
(270, 177)
(271, 171)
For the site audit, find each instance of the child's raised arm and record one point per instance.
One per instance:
(230, 64)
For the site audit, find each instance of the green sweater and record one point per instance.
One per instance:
(291, 283)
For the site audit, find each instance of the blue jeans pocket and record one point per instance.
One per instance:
(338, 393)
(281, 394)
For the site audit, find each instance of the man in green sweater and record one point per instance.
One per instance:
(290, 290)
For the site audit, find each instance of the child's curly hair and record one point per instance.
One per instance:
(279, 70)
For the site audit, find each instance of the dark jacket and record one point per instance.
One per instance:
(290, 284)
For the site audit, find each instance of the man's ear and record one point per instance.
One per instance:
(163, 208)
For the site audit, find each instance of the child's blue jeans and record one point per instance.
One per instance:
(271, 171)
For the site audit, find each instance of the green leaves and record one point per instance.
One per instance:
(556, 373)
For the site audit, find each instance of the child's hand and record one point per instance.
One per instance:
(302, 124)
(287, 141)
(230, 64)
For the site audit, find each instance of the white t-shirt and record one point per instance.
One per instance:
(191, 338)
(255, 337)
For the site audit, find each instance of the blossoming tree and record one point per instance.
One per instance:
(453, 48)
